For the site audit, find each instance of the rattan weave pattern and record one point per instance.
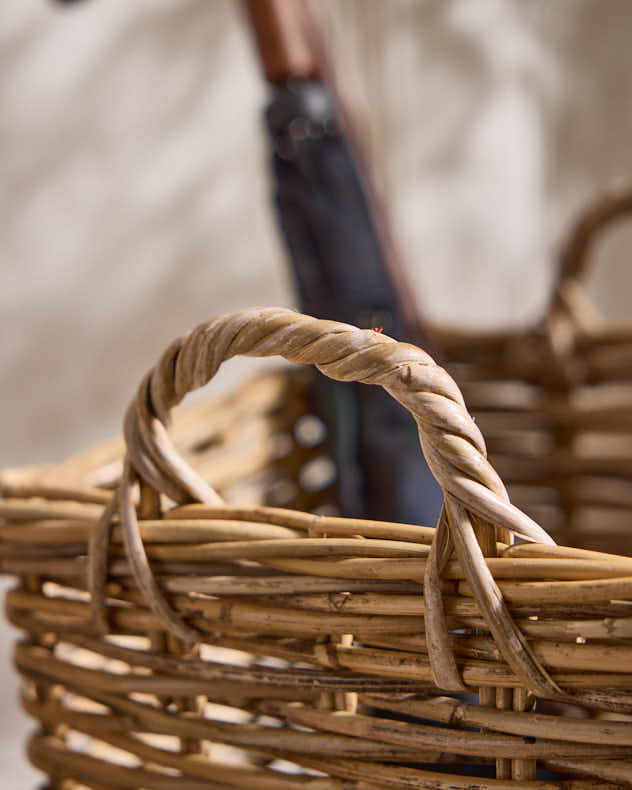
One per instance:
(176, 638)
(554, 401)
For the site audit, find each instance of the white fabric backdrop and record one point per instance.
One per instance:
(135, 200)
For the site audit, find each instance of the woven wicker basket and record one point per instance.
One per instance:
(178, 641)
(554, 402)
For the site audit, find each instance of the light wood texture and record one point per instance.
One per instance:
(190, 623)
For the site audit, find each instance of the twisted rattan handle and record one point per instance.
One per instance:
(451, 441)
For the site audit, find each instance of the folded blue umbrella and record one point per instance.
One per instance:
(341, 270)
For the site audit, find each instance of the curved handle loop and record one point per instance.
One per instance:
(452, 443)
(610, 206)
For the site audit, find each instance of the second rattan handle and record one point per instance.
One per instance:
(608, 208)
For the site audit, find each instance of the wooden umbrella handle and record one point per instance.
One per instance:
(286, 38)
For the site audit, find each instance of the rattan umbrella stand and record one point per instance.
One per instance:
(177, 639)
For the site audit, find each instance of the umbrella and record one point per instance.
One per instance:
(343, 264)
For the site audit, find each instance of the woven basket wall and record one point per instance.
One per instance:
(555, 402)
(182, 636)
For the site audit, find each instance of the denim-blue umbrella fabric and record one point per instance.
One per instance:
(340, 271)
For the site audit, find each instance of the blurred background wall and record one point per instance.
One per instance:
(134, 199)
